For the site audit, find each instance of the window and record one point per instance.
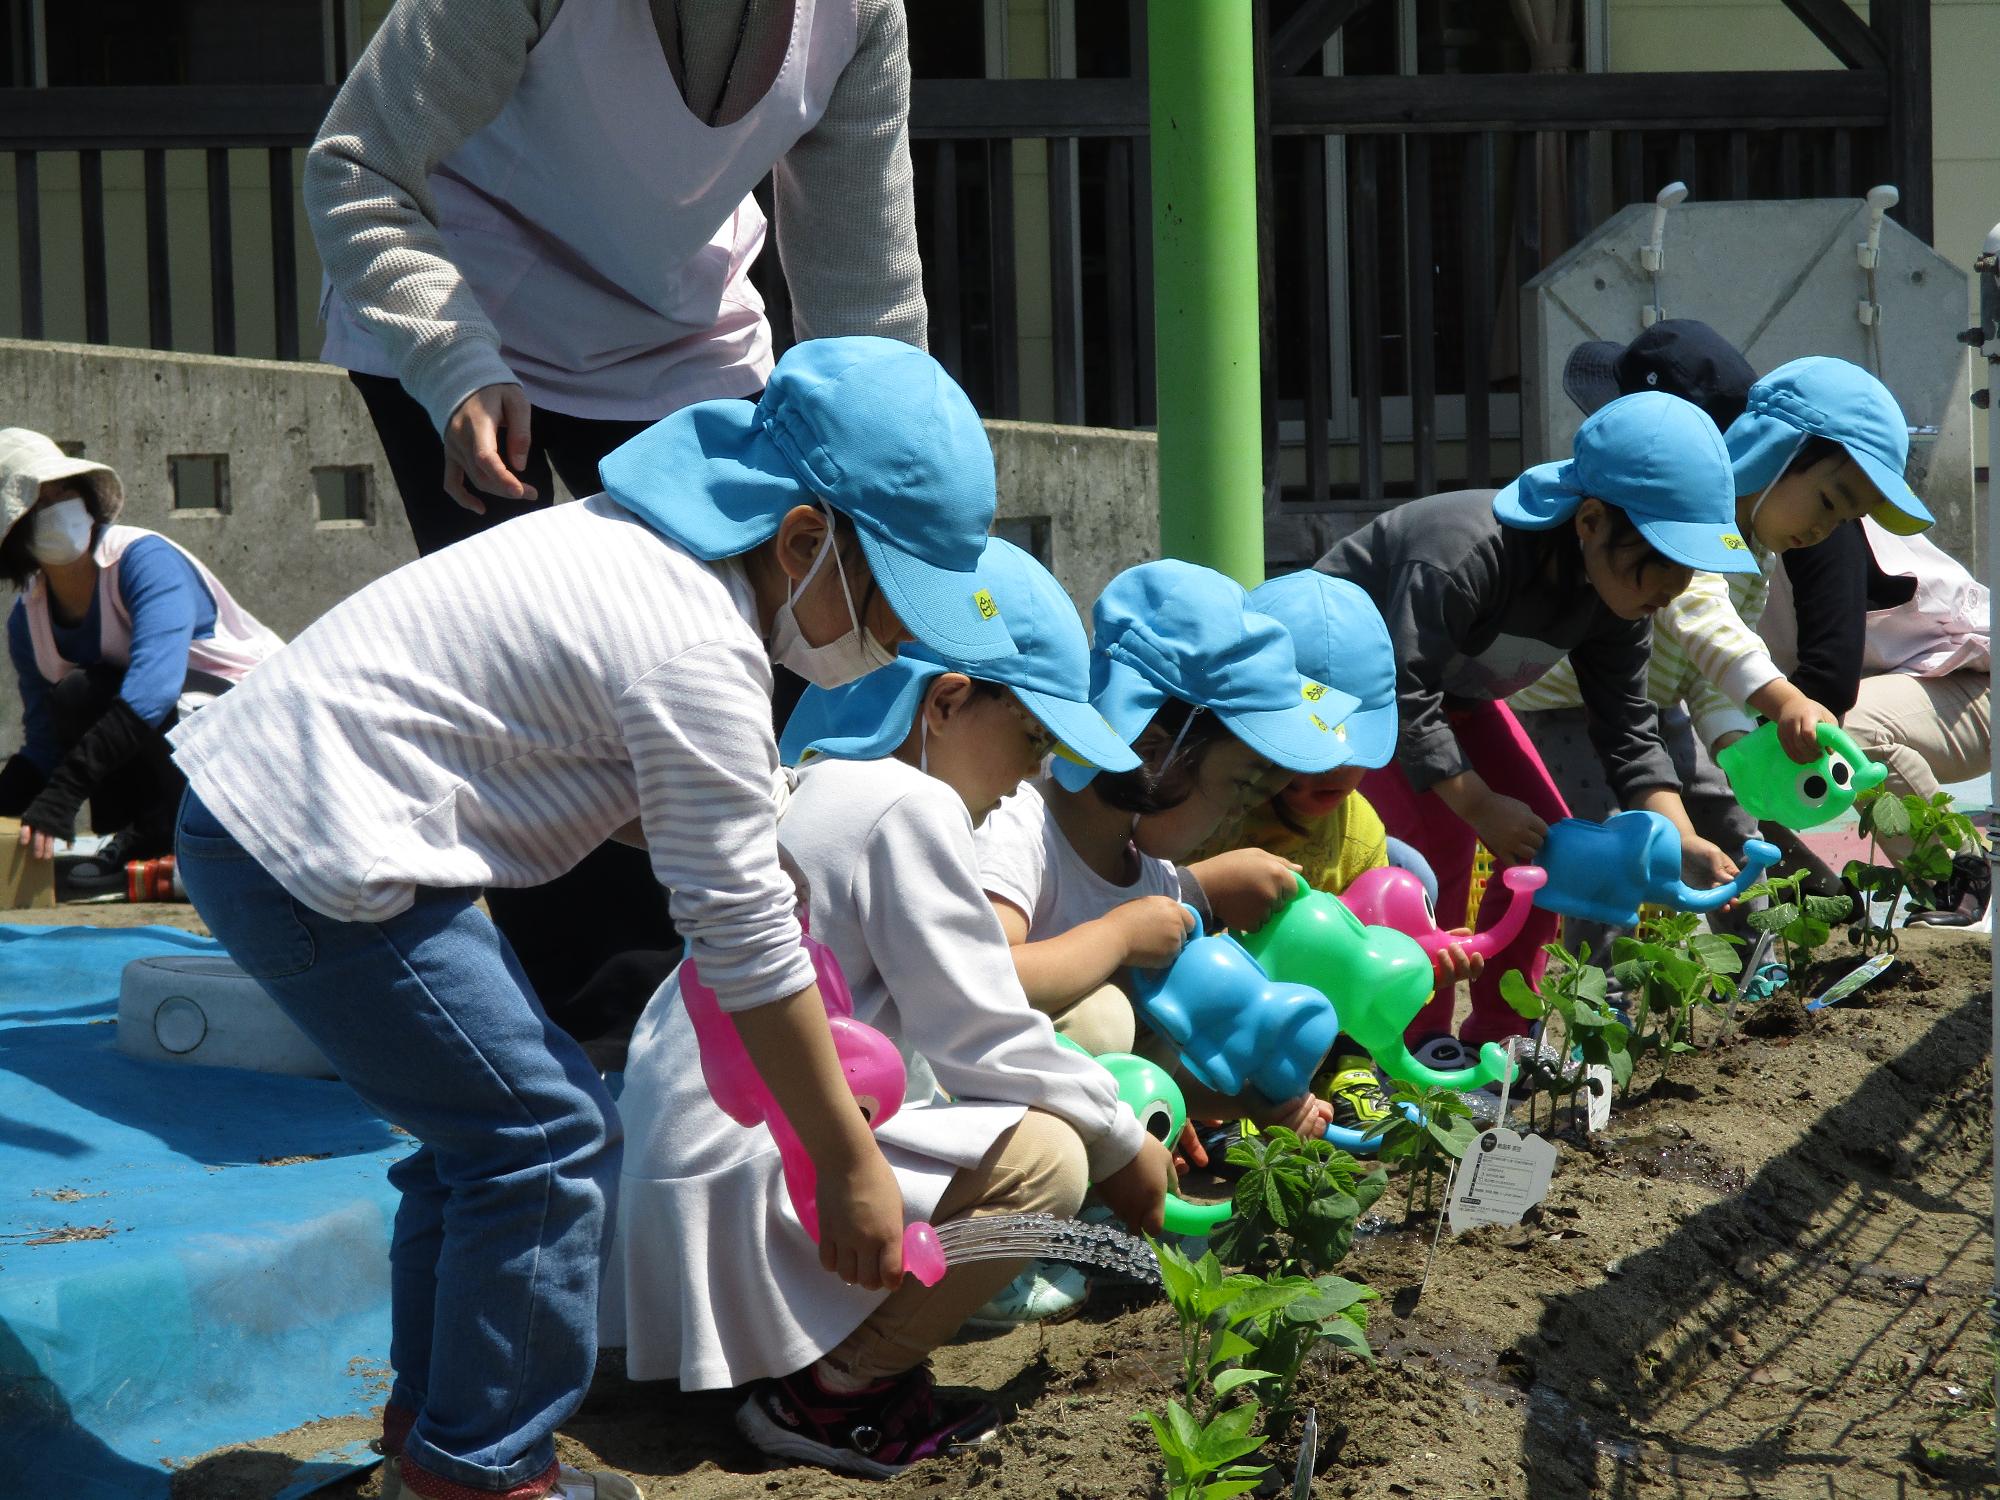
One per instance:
(200, 482)
(343, 493)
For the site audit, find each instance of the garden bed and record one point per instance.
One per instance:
(1767, 1279)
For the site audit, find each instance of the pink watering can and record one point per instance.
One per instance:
(1235, 1027)
(1389, 897)
(875, 1076)
(1604, 872)
(1382, 976)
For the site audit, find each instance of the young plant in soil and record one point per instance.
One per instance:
(1424, 1146)
(1201, 1459)
(1802, 921)
(1575, 1020)
(1936, 833)
(1667, 974)
(1295, 1205)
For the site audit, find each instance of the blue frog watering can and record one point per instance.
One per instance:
(1604, 872)
(1236, 1027)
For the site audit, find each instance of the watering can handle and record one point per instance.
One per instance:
(1193, 1219)
(1199, 930)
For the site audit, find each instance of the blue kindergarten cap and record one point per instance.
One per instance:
(1049, 672)
(1171, 629)
(1661, 461)
(873, 427)
(1341, 640)
(1835, 399)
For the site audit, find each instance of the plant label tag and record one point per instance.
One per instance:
(1503, 1176)
(1851, 981)
(1597, 1097)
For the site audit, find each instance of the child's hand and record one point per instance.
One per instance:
(1798, 727)
(861, 1221)
(1454, 965)
(1245, 886)
(1189, 1151)
(1508, 828)
(1154, 930)
(1704, 864)
(1137, 1191)
(1307, 1116)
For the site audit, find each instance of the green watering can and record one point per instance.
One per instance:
(1771, 785)
(1376, 977)
(1150, 1092)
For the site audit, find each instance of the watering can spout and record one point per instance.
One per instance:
(1522, 881)
(1758, 856)
(1493, 1065)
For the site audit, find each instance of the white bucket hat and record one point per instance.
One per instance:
(29, 460)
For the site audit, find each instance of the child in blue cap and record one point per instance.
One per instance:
(1322, 822)
(713, 1283)
(488, 715)
(1079, 864)
(1482, 593)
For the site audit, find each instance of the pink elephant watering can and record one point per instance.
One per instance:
(1389, 897)
(874, 1072)
(1382, 976)
(1235, 1026)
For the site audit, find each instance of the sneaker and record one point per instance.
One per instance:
(1048, 1291)
(571, 1484)
(878, 1431)
(1444, 1054)
(1356, 1094)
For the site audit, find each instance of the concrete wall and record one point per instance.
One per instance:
(1083, 499)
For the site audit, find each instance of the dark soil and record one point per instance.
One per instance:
(1768, 1279)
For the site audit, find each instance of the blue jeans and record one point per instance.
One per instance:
(504, 1217)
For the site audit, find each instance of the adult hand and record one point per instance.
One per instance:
(1154, 930)
(1454, 965)
(472, 446)
(1137, 1191)
(1245, 886)
(38, 844)
(861, 1221)
(1508, 828)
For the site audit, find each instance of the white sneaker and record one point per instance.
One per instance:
(571, 1484)
(1048, 1291)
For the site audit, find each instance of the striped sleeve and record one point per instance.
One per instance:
(698, 730)
(1701, 639)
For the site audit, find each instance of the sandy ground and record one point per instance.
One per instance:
(1768, 1279)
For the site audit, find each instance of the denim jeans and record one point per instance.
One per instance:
(504, 1218)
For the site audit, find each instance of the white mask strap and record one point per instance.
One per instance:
(1765, 493)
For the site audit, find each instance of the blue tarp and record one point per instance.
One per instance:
(222, 1299)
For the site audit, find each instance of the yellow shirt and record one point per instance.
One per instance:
(1337, 849)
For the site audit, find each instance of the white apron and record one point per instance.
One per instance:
(607, 232)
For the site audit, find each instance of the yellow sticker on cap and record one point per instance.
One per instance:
(1313, 691)
(987, 608)
(1732, 541)
(1319, 723)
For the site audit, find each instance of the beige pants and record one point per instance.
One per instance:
(1925, 730)
(1037, 1167)
(1102, 1021)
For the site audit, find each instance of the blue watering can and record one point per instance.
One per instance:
(1235, 1026)
(1604, 872)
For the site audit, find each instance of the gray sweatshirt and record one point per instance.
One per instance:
(439, 70)
(1475, 615)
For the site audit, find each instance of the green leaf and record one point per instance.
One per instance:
(1717, 952)
(1228, 1345)
(1345, 1334)
(1828, 908)
(1227, 1489)
(1226, 1438)
(1774, 918)
(1621, 1068)
(1515, 991)
(1889, 817)
(1187, 1433)
(1229, 1380)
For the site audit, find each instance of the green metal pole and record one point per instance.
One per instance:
(1199, 57)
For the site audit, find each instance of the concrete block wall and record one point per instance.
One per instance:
(1084, 500)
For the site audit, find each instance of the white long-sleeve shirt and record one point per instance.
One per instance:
(488, 715)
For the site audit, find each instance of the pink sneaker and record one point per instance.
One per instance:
(877, 1431)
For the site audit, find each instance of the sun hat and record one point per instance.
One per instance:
(1049, 672)
(873, 427)
(1172, 629)
(29, 460)
(1658, 459)
(1680, 356)
(1341, 640)
(1831, 398)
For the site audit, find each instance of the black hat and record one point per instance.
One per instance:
(1676, 355)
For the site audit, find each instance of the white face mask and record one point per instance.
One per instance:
(840, 660)
(60, 533)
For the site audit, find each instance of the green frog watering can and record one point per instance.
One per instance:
(1770, 784)
(1150, 1092)
(1382, 978)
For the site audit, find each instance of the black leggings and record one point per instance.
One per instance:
(140, 798)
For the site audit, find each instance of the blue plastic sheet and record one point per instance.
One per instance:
(217, 1297)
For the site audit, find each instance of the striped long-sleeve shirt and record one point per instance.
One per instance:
(488, 715)
(1705, 650)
